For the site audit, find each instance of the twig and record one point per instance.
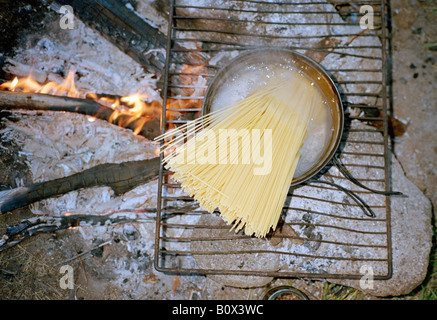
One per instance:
(10, 100)
(83, 253)
(30, 227)
(47, 286)
(120, 177)
(7, 271)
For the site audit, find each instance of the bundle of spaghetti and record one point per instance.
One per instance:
(218, 160)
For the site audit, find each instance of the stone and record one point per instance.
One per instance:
(339, 232)
(411, 240)
(267, 262)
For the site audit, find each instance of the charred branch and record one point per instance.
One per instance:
(130, 33)
(126, 30)
(33, 226)
(44, 102)
(120, 177)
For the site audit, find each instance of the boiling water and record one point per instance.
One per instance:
(239, 86)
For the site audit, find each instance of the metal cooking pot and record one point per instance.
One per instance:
(311, 69)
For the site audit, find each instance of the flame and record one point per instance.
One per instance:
(193, 82)
(14, 83)
(193, 85)
(127, 110)
(134, 110)
(28, 84)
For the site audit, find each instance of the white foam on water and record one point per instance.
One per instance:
(253, 77)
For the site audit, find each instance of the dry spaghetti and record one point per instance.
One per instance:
(242, 159)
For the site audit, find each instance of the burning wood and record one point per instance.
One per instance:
(147, 126)
(137, 111)
(134, 112)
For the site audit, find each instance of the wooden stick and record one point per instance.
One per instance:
(36, 101)
(83, 253)
(32, 226)
(123, 28)
(39, 101)
(121, 177)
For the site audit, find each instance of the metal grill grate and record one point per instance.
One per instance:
(324, 233)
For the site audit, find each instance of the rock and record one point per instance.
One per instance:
(266, 262)
(404, 18)
(411, 240)
(338, 228)
(98, 251)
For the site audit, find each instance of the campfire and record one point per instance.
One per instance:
(83, 106)
(136, 111)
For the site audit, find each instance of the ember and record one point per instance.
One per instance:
(137, 108)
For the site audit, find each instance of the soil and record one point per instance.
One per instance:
(414, 56)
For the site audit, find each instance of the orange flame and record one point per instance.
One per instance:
(192, 82)
(28, 84)
(133, 109)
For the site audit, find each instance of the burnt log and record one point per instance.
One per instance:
(44, 102)
(120, 177)
(123, 27)
(126, 30)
